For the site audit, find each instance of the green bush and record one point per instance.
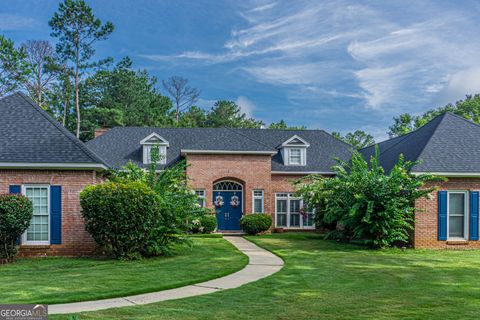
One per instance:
(205, 223)
(256, 223)
(209, 223)
(15, 216)
(364, 204)
(128, 219)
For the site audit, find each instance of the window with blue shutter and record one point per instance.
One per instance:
(55, 214)
(474, 215)
(442, 215)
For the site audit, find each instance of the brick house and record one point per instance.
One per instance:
(42, 160)
(235, 171)
(447, 146)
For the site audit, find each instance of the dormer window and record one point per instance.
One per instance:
(154, 141)
(294, 151)
(295, 156)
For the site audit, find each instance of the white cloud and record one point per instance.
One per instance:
(385, 57)
(10, 22)
(246, 105)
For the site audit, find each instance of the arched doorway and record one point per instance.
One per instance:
(228, 202)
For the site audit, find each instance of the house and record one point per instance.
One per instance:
(447, 146)
(235, 171)
(42, 160)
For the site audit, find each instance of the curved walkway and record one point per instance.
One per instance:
(262, 263)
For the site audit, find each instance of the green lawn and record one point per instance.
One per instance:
(57, 280)
(328, 280)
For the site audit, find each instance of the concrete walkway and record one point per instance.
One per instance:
(262, 263)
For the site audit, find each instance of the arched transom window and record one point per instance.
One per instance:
(227, 185)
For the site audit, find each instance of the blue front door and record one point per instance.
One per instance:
(230, 212)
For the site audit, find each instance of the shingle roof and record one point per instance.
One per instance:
(29, 135)
(122, 144)
(448, 143)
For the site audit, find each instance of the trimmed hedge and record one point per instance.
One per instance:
(209, 223)
(15, 216)
(256, 223)
(127, 219)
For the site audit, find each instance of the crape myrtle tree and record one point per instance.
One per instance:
(363, 203)
(77, 30)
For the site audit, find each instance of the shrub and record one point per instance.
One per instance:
(128, 219)
(15, 215)
(203, 223)
(256, 223)
(209, 223)
(362, 203)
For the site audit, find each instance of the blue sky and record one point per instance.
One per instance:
(335, 65)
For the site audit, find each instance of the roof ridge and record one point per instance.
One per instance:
(62, 129)
(442, 116)
(241, 134)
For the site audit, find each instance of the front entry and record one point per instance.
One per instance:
(228, 202)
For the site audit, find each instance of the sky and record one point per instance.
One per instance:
(334, 65)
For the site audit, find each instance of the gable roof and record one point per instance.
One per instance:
(295, 141)
(120, 145)
(30, 138)
(447, 145)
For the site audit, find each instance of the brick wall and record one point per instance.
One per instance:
(426, 225)
(75, 240)
(252, 171)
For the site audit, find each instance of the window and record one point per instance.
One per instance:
(295, 156)
(457, 214)
(147, 154)
(201, 197)
(38, 231)
(291, 213)
(258, 202)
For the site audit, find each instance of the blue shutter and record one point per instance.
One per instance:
(55, 214)
(474, 215)
(442, 215)
(15, 189)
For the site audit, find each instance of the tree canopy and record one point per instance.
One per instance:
(358, 139)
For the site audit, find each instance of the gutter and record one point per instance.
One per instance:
(39, 165)
(193, 151)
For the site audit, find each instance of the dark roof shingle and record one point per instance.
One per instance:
(122, 144)
(29, 135)
(448, 143)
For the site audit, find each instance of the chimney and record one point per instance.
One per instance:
(100, 131)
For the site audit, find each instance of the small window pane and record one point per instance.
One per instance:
(38, 229)
(456, 212)
(308, 220)
(281, 219)
(282, 206)
(294, 220)
(257, 205)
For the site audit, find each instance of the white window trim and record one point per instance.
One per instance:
(162, 151)
(204, 197)
(466, 226)
(303, 156)
(262, 197)
(288, 198)
(24, 235)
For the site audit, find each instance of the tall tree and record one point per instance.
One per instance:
(283, 125)
(14, 67)
(77, 29)
(358, 139)
(194, 117)
(122, 96)
(228, 114)
(469, 108)
(182, 95)
(40, 56)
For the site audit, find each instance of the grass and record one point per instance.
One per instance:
(327, 280)
(59, 280)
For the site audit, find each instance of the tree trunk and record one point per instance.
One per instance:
(77, 102)
(65, 105)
